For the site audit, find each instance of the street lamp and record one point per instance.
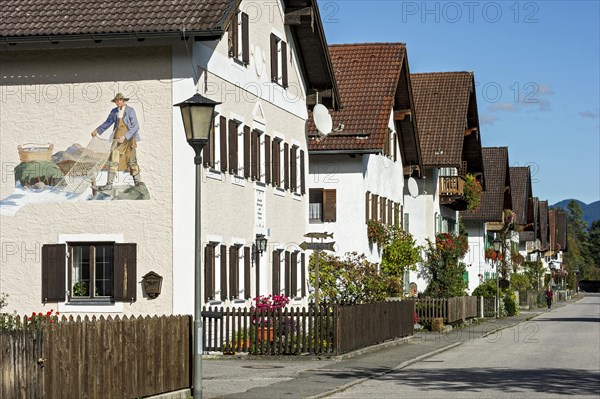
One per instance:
(497, 248)
(261, 244)
(197, 113)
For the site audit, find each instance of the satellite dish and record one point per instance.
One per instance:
(258, 61)
(413, 187)
(322, 119)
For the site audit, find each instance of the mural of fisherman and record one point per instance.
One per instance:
(124, 136)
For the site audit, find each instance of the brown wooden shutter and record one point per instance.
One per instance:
(267, 159)
(234, 278)
(125, 258)
(329, 207)
(54, 272)
(302, 174)
(273, 58)
(390, 214)
(233, 147)
(367, 206)
(294, 274)
(286, 166)
(245, 39)
(247, 151)
(235, 28)
(288, 275)
(209, 272)
(395, 147)
(382, 213)
(374, 208)
(257, 271)
(397, 214)
(231, 37)
(275, 156)
(209, 150)
(223, 136)
(276, 273)
(284, 71)
(303, 274)
(223, 272)
(293, 169)
(247, 266)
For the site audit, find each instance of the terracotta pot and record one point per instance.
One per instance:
(266, 334)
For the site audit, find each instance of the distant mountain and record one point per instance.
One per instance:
(591, 212)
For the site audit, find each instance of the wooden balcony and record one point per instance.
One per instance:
(452, 192)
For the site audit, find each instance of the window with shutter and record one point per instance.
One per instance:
(279, 61)
(239, 38)
(286, 166)
(256, 158)
(234, 274)
(276, 272)
(329, 205)
(302, 174)
(209, 272)
(315, 205)
(293, 169)
(268, 166)
(223, 273)
(247, 150)
(233, 147)
(247, 272)
(288, 274)
(53, 272)
(95, 271)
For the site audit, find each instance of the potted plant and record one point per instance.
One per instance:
(267, 306)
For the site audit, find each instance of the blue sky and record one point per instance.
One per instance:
(536, 64)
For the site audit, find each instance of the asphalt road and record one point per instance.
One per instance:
(554, 355)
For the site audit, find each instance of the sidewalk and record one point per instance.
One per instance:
(301, 377)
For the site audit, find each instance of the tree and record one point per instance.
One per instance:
(581, 246)
(399, 255)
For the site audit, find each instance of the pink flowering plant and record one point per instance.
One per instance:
(452, 245)
(267, 305)
(377, 232)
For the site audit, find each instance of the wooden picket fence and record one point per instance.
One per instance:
(449, 309)
(96, 358)
(327, 329)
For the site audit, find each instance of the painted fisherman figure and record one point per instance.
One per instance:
(124, 138)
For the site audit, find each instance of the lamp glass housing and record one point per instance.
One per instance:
(497, 245)
(261, 244)
(197, 113)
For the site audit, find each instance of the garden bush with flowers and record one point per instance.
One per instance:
(12, 321)
(443, 269)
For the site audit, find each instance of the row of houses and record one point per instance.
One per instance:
(399, 151)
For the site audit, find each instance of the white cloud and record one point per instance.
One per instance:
(503, 107)
(488, 119)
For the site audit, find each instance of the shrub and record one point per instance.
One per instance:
(486, 290)
(472, 190)
(510, 304)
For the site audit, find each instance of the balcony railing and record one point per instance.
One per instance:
(452, 192)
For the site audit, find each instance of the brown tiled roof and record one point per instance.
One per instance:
(520, 189)
(544, 219)
(367, 76)
(495, 166)
(442, 104)
(21, 18)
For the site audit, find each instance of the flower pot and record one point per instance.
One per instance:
(266, 334)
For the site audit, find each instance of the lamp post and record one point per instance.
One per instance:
(497, 248)
(197, 113)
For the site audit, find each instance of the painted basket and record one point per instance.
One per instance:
(35, 152)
